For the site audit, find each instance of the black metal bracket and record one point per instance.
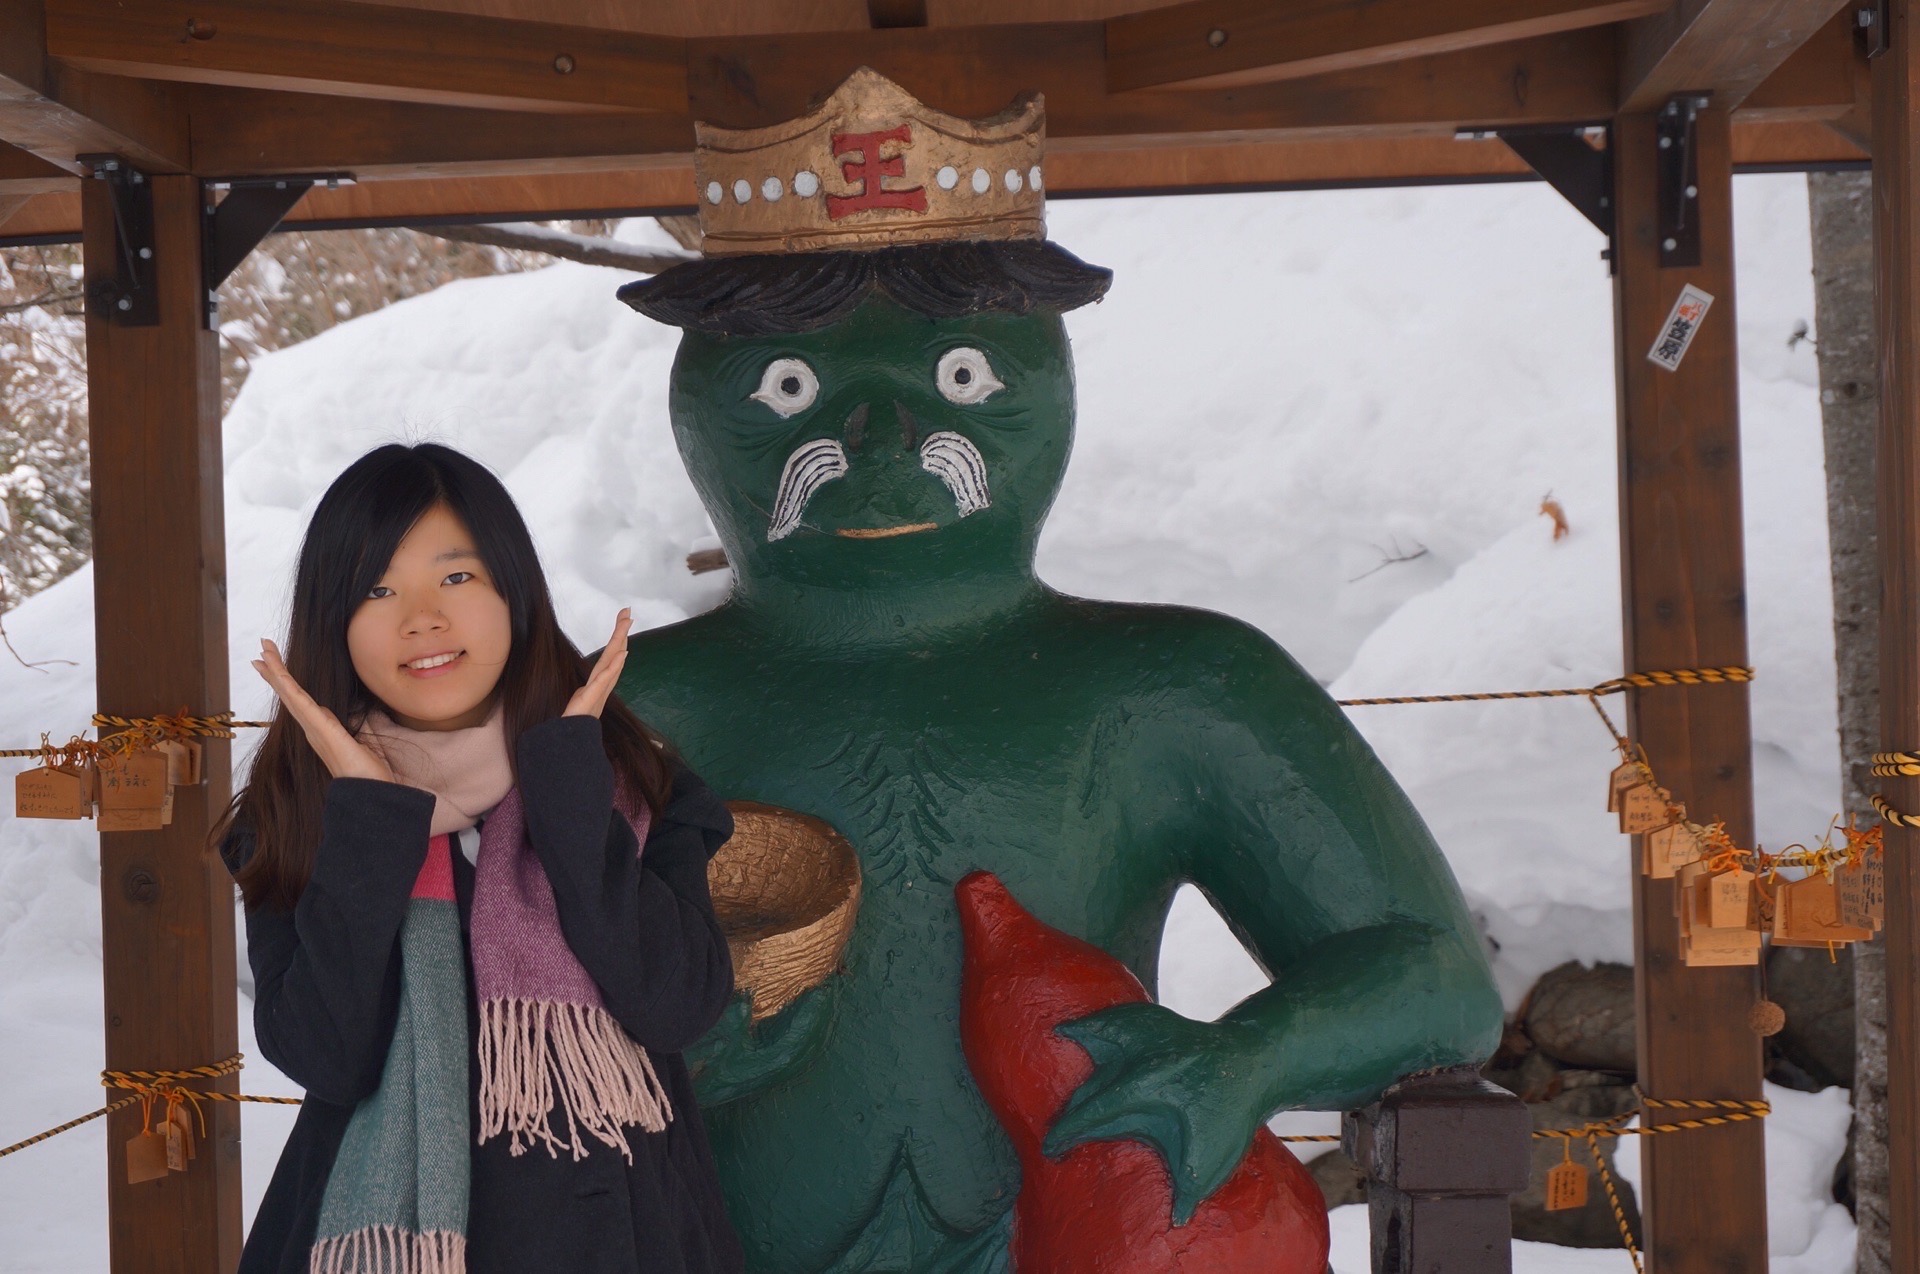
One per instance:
(235, 225)
(1575, 160)
(1678, 191)
(129, 296)
(1870, 22)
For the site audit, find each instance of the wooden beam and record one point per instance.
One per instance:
(971, 72)
(1722, 47)
(319, 46)
(1684, 588)
(674, 17)
(160, 628)
(1221, 43)
(24, 173)
(56, 113)
(1824, 79)
(974, 71)
(1896, 251)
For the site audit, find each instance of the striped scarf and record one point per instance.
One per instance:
(396, 1200)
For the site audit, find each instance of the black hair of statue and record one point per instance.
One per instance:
(767, 294)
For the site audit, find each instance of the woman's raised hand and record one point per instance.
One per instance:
(589, 699)
(344, 756)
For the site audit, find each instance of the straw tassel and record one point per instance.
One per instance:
(389, 1249)
(534, 1051)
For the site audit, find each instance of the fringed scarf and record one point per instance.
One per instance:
(396, 1200)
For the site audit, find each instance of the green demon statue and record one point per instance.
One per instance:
(874, 396)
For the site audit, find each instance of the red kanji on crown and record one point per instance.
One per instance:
(868, 170)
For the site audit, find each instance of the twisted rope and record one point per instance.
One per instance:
(157, 1084)
(136, 731)
(1618, 685)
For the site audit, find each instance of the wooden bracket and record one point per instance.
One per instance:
(1576, 161)
(1678, 167)
(128, 297)
(236, 225)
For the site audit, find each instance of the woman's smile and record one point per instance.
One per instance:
(433, 665)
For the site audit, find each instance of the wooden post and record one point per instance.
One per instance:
(1433, 1207)
(1684, 585)
(1896, 250)
(161, 631)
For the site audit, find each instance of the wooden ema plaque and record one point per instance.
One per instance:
(184, 762)
(1566, 1186)
(134, 793)
(1807, 914)
(1863, 894)
(1619, 782)
(1668, 849)
(58, 792)
(1703, 943)
(1643, 809)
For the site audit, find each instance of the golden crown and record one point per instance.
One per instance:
(871, 167)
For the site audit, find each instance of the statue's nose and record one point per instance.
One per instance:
(854, 432)
(909, 427)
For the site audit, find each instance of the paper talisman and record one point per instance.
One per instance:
(1644, 809)
(45, 792)
(1619, 781)
(1566, 1185)
(146, 1157)
(1669, 849)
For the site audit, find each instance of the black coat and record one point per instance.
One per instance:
(327, 989)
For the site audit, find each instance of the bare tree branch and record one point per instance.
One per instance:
(587, 249)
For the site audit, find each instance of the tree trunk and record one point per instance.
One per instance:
(1842, 207)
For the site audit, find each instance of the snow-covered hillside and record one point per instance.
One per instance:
(1281, 393)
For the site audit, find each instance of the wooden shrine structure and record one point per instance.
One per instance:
(170, 135)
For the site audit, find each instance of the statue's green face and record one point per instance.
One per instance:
(888, 441)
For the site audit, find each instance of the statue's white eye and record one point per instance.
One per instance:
(788, 386)
(966, 377)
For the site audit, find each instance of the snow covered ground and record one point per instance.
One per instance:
(1281, 393)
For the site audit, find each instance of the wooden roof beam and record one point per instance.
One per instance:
(24, 173)
(56, 113)
(970, 72)
(1722, 47)
(319, 46)
(1221, 43)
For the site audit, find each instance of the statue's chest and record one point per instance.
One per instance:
(928, 778)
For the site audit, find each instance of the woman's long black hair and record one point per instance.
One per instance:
(355, 531)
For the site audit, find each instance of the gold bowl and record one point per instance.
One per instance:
(785, 890)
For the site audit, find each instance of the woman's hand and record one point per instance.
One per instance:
(589, 699)
(344, 756)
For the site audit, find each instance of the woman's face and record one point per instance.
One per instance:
(431, 638)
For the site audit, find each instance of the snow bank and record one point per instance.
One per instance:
(1281, 393)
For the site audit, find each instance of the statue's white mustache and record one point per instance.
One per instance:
(953, 459)
(948, 456)
(811, 466)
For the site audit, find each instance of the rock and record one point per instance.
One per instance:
(1586, 1098)
(1339, 1178)
(1536, 1077)
(1817, 994)
(1583, 1016)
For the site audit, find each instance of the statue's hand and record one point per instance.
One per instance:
(739, 1056)
(1189, 1089)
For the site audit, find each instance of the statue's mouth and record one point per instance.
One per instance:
(882, 532)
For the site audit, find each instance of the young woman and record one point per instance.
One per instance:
(477, 911)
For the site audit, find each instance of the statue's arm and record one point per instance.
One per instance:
(1322, 867)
